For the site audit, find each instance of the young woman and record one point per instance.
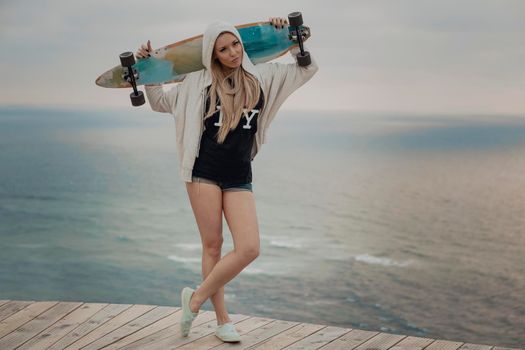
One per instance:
(222, 113)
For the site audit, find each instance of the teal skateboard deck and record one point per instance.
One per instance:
(169, 64)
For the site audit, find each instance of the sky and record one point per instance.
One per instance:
(411, 56)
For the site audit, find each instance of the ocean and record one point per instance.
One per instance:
(407, 224)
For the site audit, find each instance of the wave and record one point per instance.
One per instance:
(375, 260)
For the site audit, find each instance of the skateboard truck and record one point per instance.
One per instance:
(296, 19)
(305, 34)
(127, 60)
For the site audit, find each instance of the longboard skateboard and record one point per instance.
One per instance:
(169, 64)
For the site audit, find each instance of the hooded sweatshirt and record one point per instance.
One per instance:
(185, 101)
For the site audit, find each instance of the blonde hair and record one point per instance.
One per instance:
(243, 93)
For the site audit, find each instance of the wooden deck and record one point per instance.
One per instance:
(57, 325)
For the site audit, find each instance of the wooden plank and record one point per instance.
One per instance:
(204, 336)
(412, 343)
(37, 324)
(101, 317)
(289, 336)
(145, 332)
(110, 325)
(245, 326)
(52, 334)
(131, 327)
(350, 340)
(469, 346)
(444, 345)
(165, 336)
(381, 341)
(319, 338)
(11, 307)
(23, 316)
(199, 330)
(261, 333)
(52, 325)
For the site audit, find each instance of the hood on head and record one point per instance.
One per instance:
(208, 42)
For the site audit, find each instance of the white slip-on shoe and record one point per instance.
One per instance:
(227, 333)
(187, 315)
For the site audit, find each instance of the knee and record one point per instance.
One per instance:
(249, 253)
(214, 247)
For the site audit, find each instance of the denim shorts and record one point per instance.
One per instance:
(225, 186)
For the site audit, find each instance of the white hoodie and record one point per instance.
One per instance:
(185, 100)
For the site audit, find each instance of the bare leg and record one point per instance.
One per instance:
(206, 202)
(223, 272)
(217, 299)
(239, 210)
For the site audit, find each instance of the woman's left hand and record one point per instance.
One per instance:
(278, 22)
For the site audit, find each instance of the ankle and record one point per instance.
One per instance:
(223, 320)
(194, 304)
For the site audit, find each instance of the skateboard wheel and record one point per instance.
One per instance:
(138, 99)
(127, 59)
(304, 59)
(295, 19)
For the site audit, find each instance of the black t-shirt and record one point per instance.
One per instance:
(231, 160)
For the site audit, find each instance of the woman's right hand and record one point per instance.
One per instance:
(144, 51)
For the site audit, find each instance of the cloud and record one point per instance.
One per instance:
(419, 55)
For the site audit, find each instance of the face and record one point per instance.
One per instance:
(228, 50)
